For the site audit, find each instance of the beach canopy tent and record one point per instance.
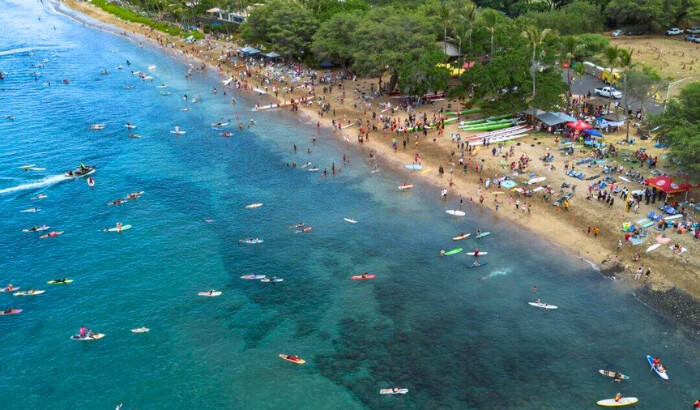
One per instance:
(533, 111)
(593, 133)
(249, 51)
(579, 125)
(550, 119)
(468, 64)
(272, 54)
(666, 184)
(564, 116)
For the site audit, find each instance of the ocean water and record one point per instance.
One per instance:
(457, 338)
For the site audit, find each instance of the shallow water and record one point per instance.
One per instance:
(426, 323)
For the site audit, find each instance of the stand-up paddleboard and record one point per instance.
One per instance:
(405, 187)
(5, 290)
(652, 247)
(474, 253)
(210, 294)
(60, 281)
(415, 167)
(94, 336)
(37, 228)
(180, 132)
(12, 312)
(251, 241)
(39, 197)
(314, 169)
(253, 206)
(481, 235)
(52, 234)
(37, 169)
(536, 180)
(624, 401)
(542, 305)
(30, 210)
(612, 374)
(461, 236)
(305, 230)
(131, 126)
(477, 264)
(253, 276)
(142, 329)
(297, 360)
(360, 277)
(272, 280)
(662, 374)
(392, 391)
(123, 228)
(352, 221)
(455, 212)
(27, 167)
(29, 293)
(453, 251)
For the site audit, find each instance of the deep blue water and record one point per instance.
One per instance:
(426, 323)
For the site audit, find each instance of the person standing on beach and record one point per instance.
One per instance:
(639, 273)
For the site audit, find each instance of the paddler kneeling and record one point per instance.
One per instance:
(618, 397)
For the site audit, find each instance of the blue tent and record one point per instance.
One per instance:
(250, 51)
(326, 64)
(593, 133)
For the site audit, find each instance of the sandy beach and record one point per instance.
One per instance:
(568, 229)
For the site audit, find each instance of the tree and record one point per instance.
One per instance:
(591, 45)
(460, 36)
(575, 18)
(656, 14)
(643, 84)
(536, 39)
(550, 88)
(490, 18)
(417, 77)
(569, 47)
(330, 42)
(467, 15)
(445, 13)
(626, 64)
(679, 127)
(286, 26)
(611, 54)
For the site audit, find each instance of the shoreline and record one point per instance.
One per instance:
(547, 225)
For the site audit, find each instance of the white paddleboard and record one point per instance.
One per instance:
(211, 295)
(253, 277)
(455, 212)
(480, 253)
(29, 293)
(178, 132)
(253, 206)
(272, 280)
(124, 228)
(624, 401)
(542, 305)
(352, 221)
(141, 330)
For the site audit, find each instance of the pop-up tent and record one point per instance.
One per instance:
(668, 185)
(579, 125)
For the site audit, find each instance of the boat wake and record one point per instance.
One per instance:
(48, 181)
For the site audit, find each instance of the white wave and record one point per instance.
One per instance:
(22, 50)
(498, 273)
(48, 181)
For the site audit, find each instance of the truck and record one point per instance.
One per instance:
(608, 92)
(607, 78)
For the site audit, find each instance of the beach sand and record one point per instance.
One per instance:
(566, 229)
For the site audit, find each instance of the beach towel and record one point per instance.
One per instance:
(636, 241)
(663, 239)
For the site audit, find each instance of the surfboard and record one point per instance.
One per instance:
(271, 280)
(253, 277)
(48, 235)
(56, 282)
(405, 187)
(94, 336)
(652, 247)
(297, 361)
(178, 132)
(663, 375)
(611, 373)
(392, 391)
(536, 180)
(460, 237)
(27, 167)
(476, 264)
(352, 221)
(624, 401)
(480, 253)
(481, 235)
(542, 305)
(251, 241)
(142, 329)
(210, 294)
(253, 206)
(415, 167)
(453, 251)
(359, 277)
(124, 228)
(455, 212)
(624, 179)
(29, 293)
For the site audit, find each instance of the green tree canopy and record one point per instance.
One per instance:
(332, 42)
(417, 77)
(287, 27)
(575, 18)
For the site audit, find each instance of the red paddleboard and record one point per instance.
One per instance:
(359, 277)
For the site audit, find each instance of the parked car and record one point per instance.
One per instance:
(674, 31)
(692, 38)
(617, 33)
(693, 30)
(608, 92)
(634, 33)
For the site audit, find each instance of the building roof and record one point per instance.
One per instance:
(550, 119)
(564, 116)
(450, 49)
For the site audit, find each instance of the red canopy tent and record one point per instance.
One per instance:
(666, 184)
(579, 125)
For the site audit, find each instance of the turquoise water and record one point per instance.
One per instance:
(426, 323)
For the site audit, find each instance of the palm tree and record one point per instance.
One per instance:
(445, 14)
(625, 63)
(536, 38)
(460, 36)
(490, 18)
(468, 17)
(611, 55)
(569, 46)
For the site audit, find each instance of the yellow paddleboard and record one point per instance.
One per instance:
(625, 401)
(286, 357)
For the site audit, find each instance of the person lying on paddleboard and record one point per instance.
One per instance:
(293, 357)
(364, 275)
(9, 310)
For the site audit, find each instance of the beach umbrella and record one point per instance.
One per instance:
(579, 125)
(668, 185)
(593, 133)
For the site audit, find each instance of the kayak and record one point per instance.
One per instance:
(36, 228)
(453, 251)
(392, 391)
(476, 264)
(273, 280)
(359, 277)
(251, 241)
(253, 277)
(29, 293)
(405, 187)
(123, 228)
(51, 234)
(253, 206)
(611, 373)
(91, 337)
(460, 237)
(12, 312)
(624, 401)
(480, 253)
(142, 329)
(352, 221)
(481, 235)
(663, 374)
(298, 360)
(59, 282)
(210, 294)
(455, 212)
(542, 305)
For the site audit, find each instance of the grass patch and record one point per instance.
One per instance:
(128, 15)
